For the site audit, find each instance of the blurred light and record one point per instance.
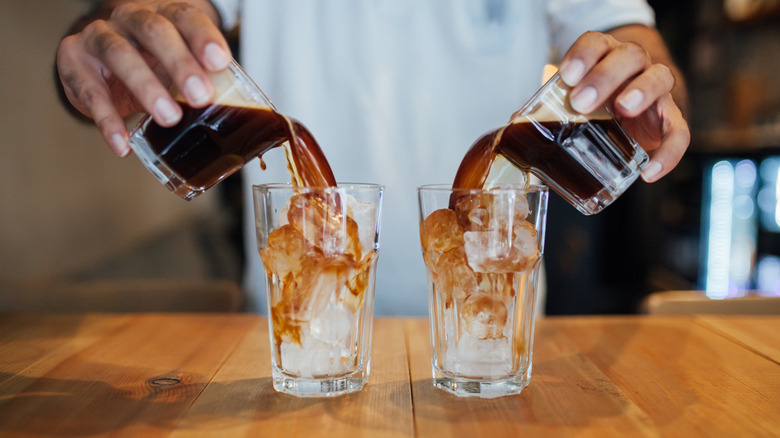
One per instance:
(742, 251)
(745, 173)
(743, 206)
(777, 202)
(719, 238)
(768, 276)
(731, 228)
(768, 169)
(768, 202)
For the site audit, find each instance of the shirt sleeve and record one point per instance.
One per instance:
(228, 12)
(571, 18)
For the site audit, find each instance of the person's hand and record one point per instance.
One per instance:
(126, 64)
(600, 68)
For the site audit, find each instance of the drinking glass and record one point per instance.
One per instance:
(319, 247)
(589, 159)
(482, 251)
(210, 143)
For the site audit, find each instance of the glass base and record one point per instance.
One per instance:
(463, 387)
(614, 185)
(319, 387)
(606, 196)
(597, 203)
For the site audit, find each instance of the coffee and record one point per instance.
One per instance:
(539, 147)
(209, 144)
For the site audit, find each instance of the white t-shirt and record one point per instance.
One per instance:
(396, 91)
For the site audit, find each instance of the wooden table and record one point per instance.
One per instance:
(196, 374)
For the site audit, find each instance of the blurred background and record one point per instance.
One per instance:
(71, 213)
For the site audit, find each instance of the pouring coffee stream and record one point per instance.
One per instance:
(589, 160)
(211, 143)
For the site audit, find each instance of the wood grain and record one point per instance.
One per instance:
(688, 380)
(183, 375)
(758, 333)
(568, 395)
(241, 401)
(138, 379)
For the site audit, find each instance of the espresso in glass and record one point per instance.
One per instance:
(210, 143)
(589, 159)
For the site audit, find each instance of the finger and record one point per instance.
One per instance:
(86, 90)
(586, 51)
(641, 92)
(124, 61)
(96, 99)
(160, 37)
(68, 63)
(622, 63)
(201, 35)
(110, 124)
(676, 138)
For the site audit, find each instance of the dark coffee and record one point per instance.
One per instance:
(539, 148)
(208, 144)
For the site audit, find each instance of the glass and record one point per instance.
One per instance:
(589, 159)
(212, 142)
(482, 252)
(319, 247)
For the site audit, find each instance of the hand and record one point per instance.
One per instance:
(602, 69)
(126, 64)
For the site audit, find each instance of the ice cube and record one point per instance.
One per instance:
(484, 316)
(487, 358)
(285, 329)
(364, 215)
(489, 251)
(503, 172)
(494, 209)
(302, 294)
(313, 358)
(352, 295)
(333, 326)
(496, 251)
(284, 252)
(472, 211)
(453, 278)
(320, 278)
(441, 231)
(323, 221)
(526, 241)
(502, 285)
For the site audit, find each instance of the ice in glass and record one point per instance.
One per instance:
(482, 251)
(319, 247)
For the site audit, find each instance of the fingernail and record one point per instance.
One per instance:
(196, 91)
(166, 112)
(572, 72)
(652, 171)
(582, 100)
(632, 100)
(215, 56)
(119, 145)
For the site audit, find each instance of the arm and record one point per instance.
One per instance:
(630, 68)
(123, 56)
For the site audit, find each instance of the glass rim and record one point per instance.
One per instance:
(499, 189)
(539, 93)
(339, 186)
(241, 75)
